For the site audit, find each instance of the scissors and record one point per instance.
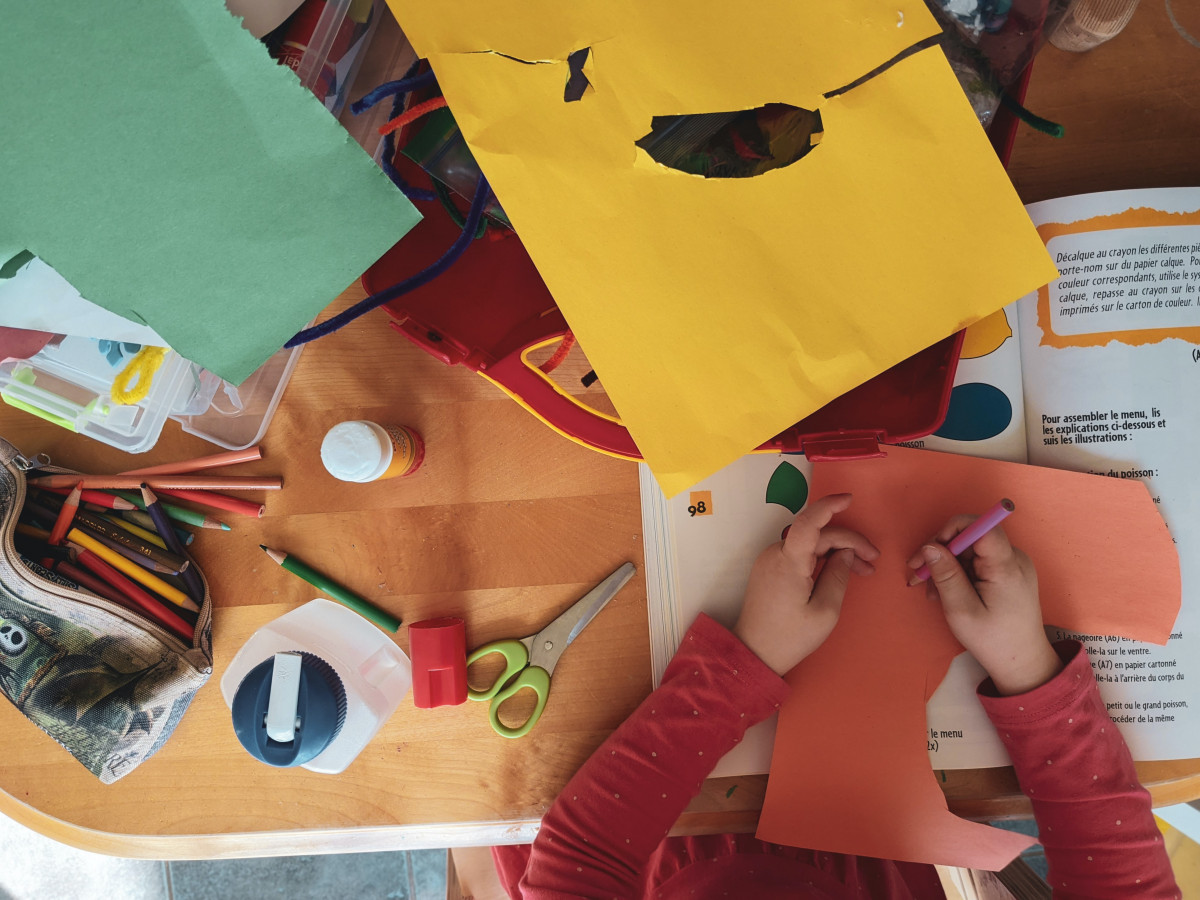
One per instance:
(530, 662)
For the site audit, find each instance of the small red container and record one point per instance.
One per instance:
(438, 648)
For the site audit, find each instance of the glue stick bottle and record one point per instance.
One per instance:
(363, 451)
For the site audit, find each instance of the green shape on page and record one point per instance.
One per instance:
(788, 487)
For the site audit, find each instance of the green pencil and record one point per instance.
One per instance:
(384, 620)
(178, 513)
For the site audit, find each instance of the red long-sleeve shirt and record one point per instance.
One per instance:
(604, 836)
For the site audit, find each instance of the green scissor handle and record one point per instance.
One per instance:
(517, 676)
(516, 657)
(536, 679)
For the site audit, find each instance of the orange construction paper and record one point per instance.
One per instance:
(850, 772)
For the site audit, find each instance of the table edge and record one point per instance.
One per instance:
(377, 838)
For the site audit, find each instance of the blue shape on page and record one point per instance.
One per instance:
(977, 412)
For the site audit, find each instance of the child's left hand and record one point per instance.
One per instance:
(790, 608)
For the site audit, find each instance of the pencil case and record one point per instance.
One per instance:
(107, 684)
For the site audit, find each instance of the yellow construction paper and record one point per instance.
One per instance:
(718, 312)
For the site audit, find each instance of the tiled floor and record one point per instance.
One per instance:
(33, 867)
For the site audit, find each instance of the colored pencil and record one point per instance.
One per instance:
(216, 461)
(178, 513)
(191, 578)
(66, 515)
(164, 558)
(30, 531)
(141, 531)
(364, 608)
(127, 551)
(162, 482)
(144, 603)
(134, 571)
(218, 501)
(108, 501)
(86, 579)
(152, 554)
(969, 535)
(142, 520)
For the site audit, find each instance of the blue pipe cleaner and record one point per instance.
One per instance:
(404, 85)
(483, 194)
(414, 194)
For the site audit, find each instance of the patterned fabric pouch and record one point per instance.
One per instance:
(106, 683)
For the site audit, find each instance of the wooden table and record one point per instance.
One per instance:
(506, 524)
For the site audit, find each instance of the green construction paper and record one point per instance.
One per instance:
(167, 167)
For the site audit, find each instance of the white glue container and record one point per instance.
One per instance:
(363, 451)
(314, 686)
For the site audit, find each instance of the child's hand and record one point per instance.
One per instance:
(990, 599)
(790, 607)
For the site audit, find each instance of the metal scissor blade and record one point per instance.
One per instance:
(551, 641)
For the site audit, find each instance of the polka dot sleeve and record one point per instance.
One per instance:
(608, 820)
(1093, 817)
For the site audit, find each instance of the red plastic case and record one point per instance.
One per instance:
(491, 309)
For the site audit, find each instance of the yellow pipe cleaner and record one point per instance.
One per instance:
(139, 372)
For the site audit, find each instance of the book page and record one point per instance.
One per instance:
(986, 413)
(986, 417)
(700, 546)
(1111, 353)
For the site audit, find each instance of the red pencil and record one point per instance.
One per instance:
(143, 601)
(216, 461)
(162, 482)
(92, 583)
(217, 501)
(66, 516)
(108, 501)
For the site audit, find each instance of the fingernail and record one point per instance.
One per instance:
(932, 554)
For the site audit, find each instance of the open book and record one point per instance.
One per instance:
(1097, 372)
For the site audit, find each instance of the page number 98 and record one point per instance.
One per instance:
(700, 503)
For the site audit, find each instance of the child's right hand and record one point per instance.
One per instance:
(990, 600)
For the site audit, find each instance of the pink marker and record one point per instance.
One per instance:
(972, 533)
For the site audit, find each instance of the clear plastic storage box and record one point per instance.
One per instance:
(69, 382)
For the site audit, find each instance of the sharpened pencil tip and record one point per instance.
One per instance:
(263, 546)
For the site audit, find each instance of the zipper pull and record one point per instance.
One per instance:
(24, 465)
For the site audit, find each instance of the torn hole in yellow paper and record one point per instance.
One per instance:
(577, 81)
(738, 144)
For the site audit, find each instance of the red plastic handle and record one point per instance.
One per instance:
(562, 412)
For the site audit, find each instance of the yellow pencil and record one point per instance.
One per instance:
(137, 530)
(133, 570)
